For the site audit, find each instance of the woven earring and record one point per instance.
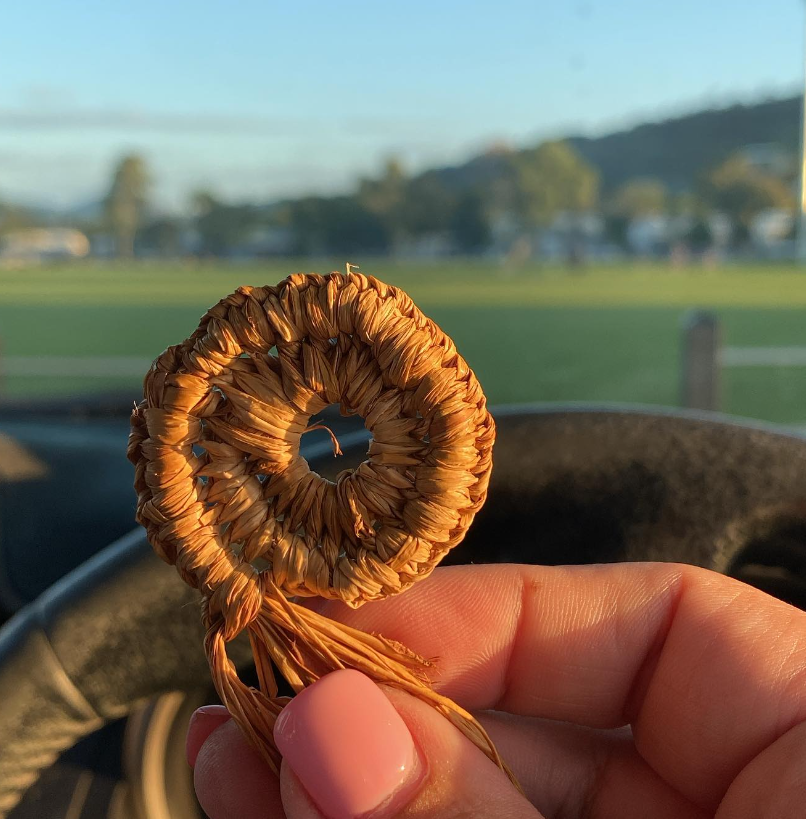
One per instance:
(226, 497)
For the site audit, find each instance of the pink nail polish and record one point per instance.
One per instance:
(348, 746)
(202, 723)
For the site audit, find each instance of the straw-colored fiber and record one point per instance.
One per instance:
(227, 498)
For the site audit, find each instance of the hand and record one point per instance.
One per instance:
(631, 690)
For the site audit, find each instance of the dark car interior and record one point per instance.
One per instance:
(101, 662)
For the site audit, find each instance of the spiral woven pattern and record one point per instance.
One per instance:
(226, 496)
(222, 488)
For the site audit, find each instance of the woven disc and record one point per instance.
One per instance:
(223, 489)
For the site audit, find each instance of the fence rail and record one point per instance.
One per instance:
(762, 357)
(704, 358)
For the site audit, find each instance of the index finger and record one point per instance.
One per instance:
(707, 670)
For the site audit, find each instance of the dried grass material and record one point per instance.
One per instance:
(226, 496)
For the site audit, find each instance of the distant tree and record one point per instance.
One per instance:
(549, 180)
(636, 198)
(686, 203)
(385, 198)
(700, 237)
(615, 228)
(126, 202)
(339, 224)
(643, 196)
(161, 235)
(220, 226)
(427, 205)
(469, 225)
(742, 191)
(741, 234)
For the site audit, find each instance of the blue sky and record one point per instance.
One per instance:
(258, 99)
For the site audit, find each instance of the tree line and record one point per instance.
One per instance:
(503, 193)
(384, 214)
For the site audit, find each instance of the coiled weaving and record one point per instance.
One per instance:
(227, 498)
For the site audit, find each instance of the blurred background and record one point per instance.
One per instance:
(599, 201)
(555, 183)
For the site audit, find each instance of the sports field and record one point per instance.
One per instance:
(531, 334)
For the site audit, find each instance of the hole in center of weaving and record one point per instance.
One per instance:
(333, 439)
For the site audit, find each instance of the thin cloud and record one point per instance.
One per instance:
(208, 124)
(122, 120)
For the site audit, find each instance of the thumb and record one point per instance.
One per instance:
(351, 749)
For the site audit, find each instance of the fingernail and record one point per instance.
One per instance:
(348, 746)
(203, 722)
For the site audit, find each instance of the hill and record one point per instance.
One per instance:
(675, 150)
(678, 150)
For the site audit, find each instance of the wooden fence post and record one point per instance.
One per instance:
(700, 388)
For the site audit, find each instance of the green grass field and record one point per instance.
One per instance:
(535, 334)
